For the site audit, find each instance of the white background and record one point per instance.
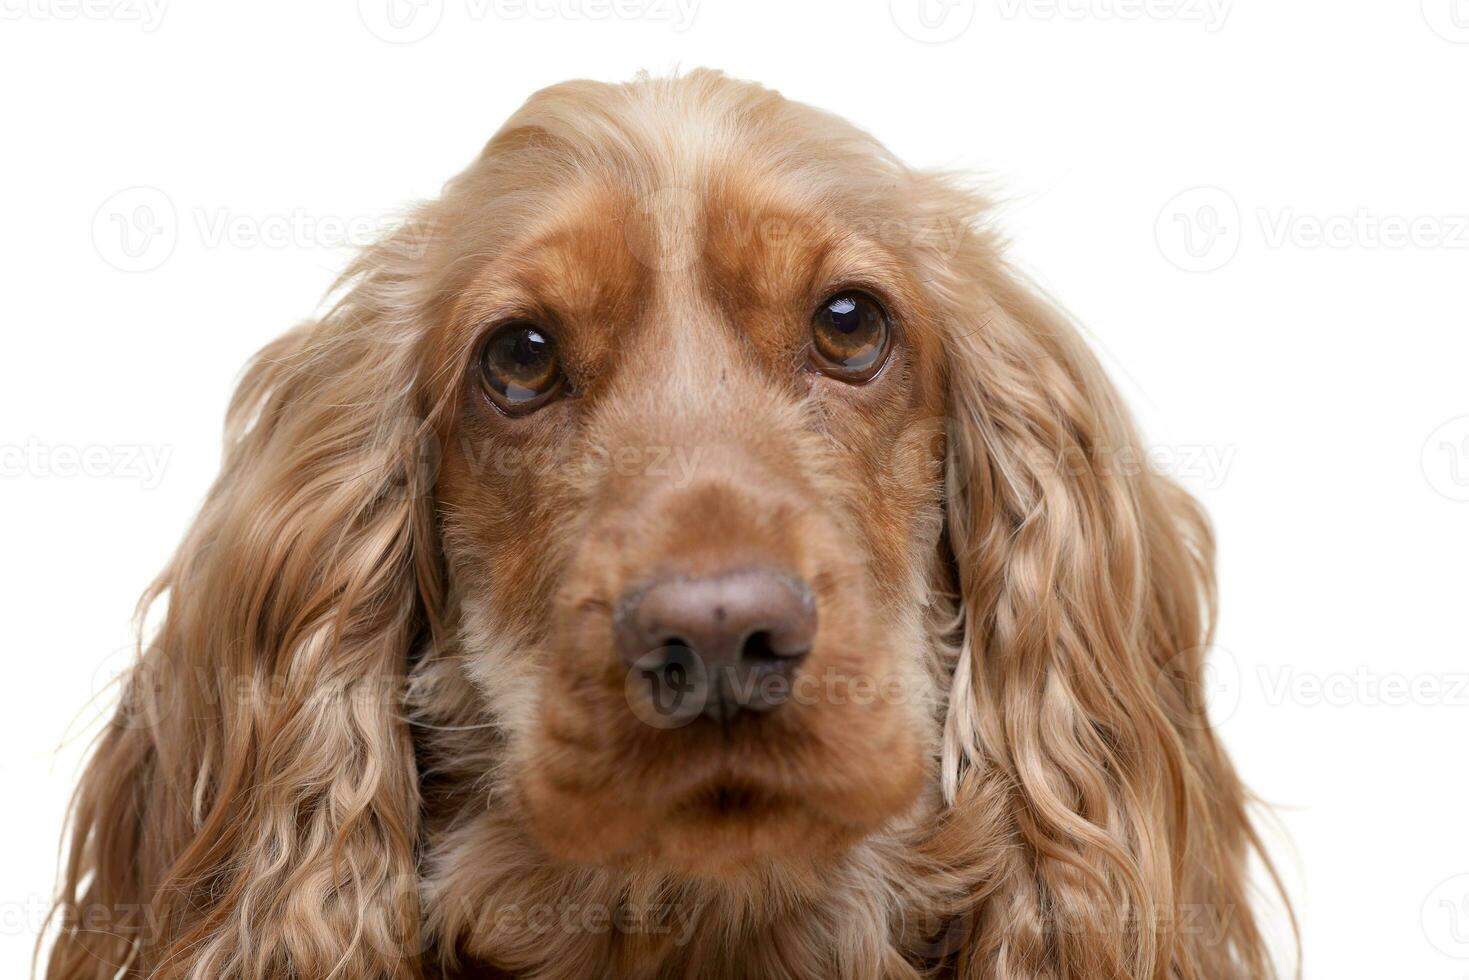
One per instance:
(1257, 208)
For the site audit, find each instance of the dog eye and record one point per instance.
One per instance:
(520, 367)
(850, 336)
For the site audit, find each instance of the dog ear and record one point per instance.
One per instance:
(1087, 594)
(252, 809)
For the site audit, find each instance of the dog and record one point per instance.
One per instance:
(685, 549)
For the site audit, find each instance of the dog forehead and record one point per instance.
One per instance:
(616, 265)
(579, 263)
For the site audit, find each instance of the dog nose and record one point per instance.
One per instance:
(718, 644)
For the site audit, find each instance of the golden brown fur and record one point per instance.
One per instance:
(379, 734)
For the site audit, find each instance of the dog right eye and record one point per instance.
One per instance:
(520, 367)
(850, 336)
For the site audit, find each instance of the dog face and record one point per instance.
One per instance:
(691, 504)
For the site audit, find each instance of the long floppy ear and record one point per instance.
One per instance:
(251, 811)
(1077, 703)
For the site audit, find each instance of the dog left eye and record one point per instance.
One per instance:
(520, 367)
(850, 336)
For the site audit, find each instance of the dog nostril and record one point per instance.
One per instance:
(663, 657)
(757, 651)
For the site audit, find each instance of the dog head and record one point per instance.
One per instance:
(690, 492)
